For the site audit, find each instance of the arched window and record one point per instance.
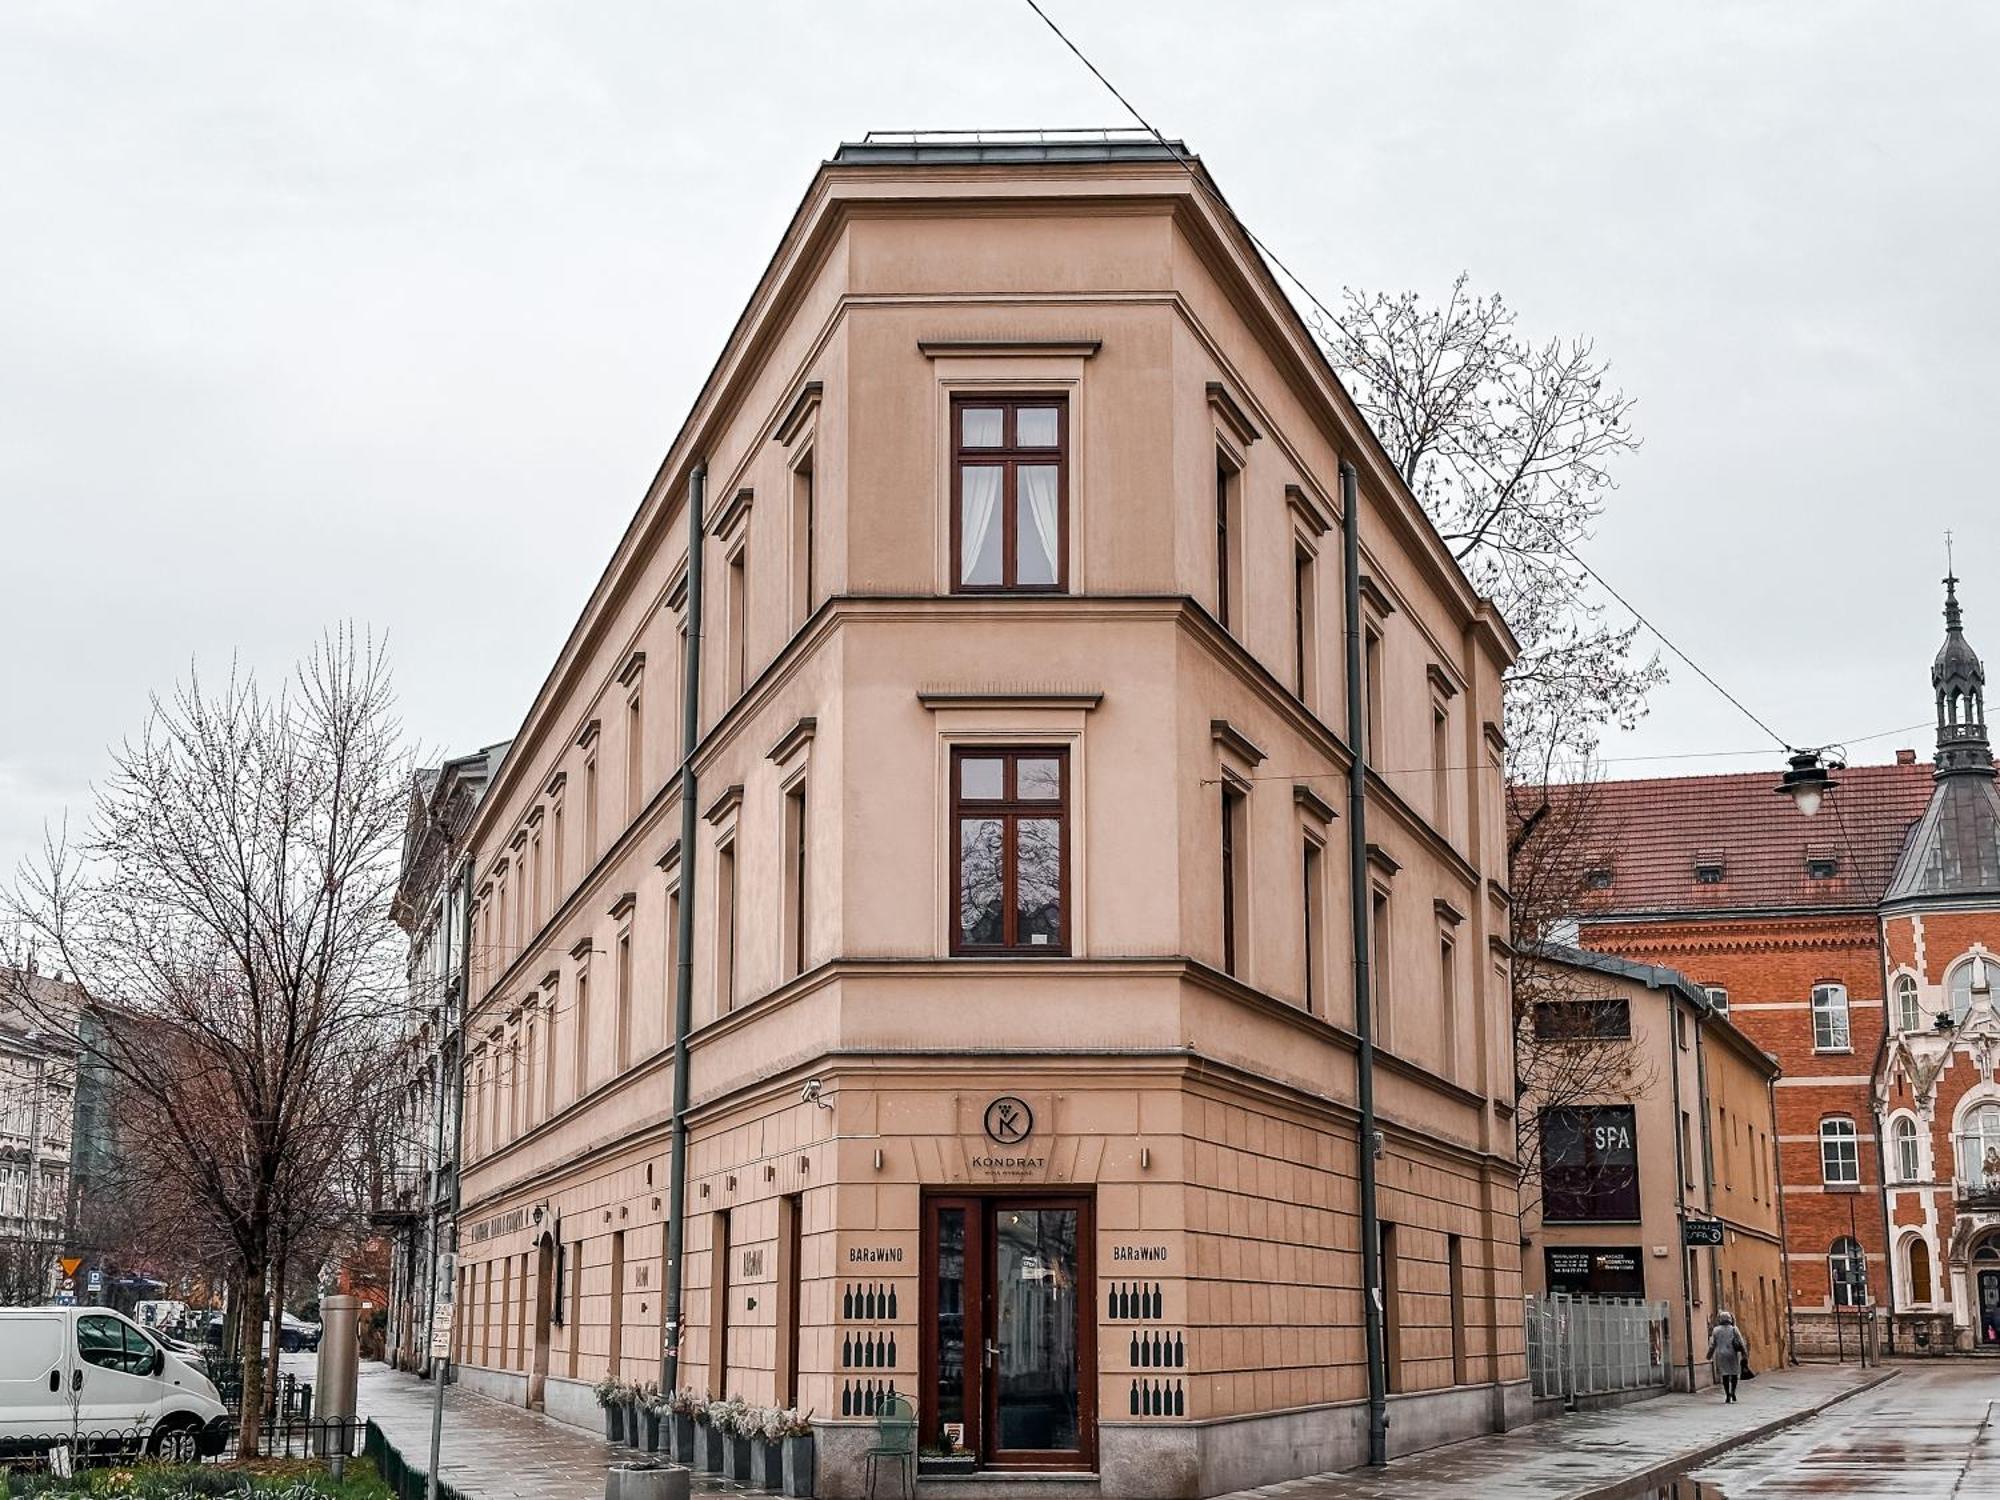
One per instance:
(1920, 1269)
(1829, 1018)
(1979, 1148)
(1905, 1133)
(1839, 1151)
(1969, 981)
(1847, 1273)
(1909, 1015)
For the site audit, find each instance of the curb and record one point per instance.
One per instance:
(1658, 1474)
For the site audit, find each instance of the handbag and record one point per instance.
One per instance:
(1748, 1373)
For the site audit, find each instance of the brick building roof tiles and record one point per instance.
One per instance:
(1656, 832)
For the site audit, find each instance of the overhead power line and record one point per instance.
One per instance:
(1222, 204)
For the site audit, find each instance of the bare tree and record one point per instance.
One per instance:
(225, 913)
(1508, 445)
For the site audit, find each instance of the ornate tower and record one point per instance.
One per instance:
(1959, 679)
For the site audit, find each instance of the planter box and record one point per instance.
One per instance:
(799, 1466)
(770, 1463)
(649, 1430)
(614, 1423)
(708, 1445)
(645, 1481)
(681, 1430)
(739, 1460)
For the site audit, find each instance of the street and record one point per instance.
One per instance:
(1928, 1433)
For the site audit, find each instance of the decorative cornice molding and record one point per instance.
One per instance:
(1446, 911)
(670, 857)
(1383, 860)
(799, 734)
(1233, 416)
(795, 415)
(727, 518)
(1005, 697)
(721, 807)
(635, 666)
(589, 735)
(1008, 348)
(581, 949)
(625, 902)
(1313, 804)
(556, 783)
(551, 980)
(1375, 596)
(1307, 508)
(1442, 680)
(1233, 740)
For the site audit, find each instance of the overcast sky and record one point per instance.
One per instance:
(388, 312)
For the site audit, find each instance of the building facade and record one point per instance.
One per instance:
(1692, 1138)
(1024, 1069)
(412, 1185)
(38, 1090)
(1937, 1099)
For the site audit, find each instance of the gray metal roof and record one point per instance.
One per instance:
(1955, 848)
(1006, 147)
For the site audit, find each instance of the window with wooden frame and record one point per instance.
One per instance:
(1228, 537)
(581, 1046)
(725, 925)
(738, 617)
(1313, 908)
(624, 1002)
(1234, 872)
(1010, 494)
(1010, 866)
(1378, 965)
(1371, 689)
(796, 845)
(1305, 625)
(805, 540)
(1448, 1003)
(552, 1006)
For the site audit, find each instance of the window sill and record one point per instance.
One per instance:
(1841, 1187)
(1833, 1052)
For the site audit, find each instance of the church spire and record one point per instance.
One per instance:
(1958, 678)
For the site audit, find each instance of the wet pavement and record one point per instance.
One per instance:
(1593, 1453)
(493, 1451)
(1933, 1433)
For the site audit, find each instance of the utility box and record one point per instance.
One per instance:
(339, 1372)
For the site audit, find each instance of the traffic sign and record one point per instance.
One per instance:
(1701, 1232)
(96, 1280)
(71, 1264)
(441, 1333)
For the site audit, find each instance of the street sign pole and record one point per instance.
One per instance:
(454, 1037)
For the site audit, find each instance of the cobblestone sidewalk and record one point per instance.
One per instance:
(493, 1451)
(1592, 1453)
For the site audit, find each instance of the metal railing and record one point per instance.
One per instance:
(1594, 1346)
(88, 1444)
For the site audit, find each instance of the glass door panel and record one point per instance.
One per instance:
(1034, 1356)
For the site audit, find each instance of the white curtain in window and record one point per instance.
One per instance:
(979, 502)
(1038, 504)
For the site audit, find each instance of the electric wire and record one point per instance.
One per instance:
(1180, 157)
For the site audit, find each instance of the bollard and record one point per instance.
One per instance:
(339, 1374)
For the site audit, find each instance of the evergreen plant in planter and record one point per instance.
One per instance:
(797, 1446)
(610, 1394)
(739, 1427)
(768, 1453)
(708, 1437)
(648, 1406)
(681, 1409)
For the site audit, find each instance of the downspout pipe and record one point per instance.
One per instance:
(1681, 1145)
(1364, 1018)
(455, 1037)
(1784, 1231)
(670, 1353)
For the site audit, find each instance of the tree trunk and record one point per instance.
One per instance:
(251, 1425)
(277, 1326)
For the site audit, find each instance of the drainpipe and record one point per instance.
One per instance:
(1364, 1019)
(1680, 1181)
(670, 1355)
(1707, 1165)
(1784, 1234)
(454, 1036)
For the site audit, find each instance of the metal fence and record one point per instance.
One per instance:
(1593, 1346)
(90, 1445)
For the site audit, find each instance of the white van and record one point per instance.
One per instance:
(92, 1374)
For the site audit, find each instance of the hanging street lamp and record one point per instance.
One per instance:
(1809, 780)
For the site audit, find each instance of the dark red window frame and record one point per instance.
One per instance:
(1009, 457)
(1010, 809)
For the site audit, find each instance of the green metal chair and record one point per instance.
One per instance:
(896, 1443)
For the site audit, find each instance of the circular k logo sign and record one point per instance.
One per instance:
(1009, 1121)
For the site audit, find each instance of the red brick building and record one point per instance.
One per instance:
(1936, 1098)
(1859, 947)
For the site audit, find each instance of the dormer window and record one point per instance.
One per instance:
(1708, 869)
(1597, 878)
(1822, 866)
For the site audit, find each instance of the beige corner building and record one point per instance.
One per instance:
(1023, 1062)
(1687, 1137)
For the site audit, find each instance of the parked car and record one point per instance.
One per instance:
(192, 1355)
(95, 1373)
(294, 1334)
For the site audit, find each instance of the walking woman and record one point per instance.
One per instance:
(1727, 1351)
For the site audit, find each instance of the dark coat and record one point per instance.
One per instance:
(1727, 1349)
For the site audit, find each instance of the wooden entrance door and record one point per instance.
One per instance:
(545, 1297)
(1009, 1359)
